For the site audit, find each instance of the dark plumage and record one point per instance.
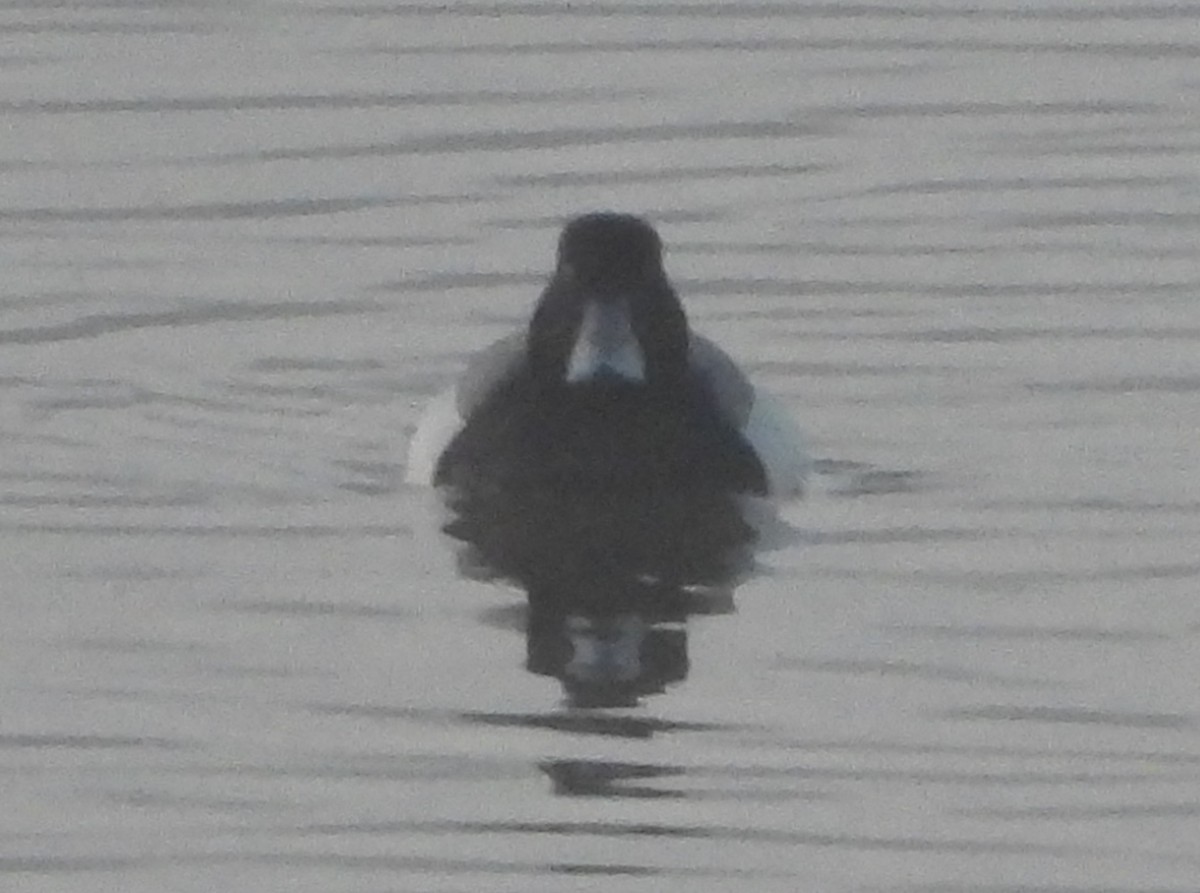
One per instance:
(607, 389)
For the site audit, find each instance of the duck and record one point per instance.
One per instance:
(607, 390)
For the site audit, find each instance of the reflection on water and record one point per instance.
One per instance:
(611, 577)
(596, 778)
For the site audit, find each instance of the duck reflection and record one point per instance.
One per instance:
(611, 579)
(598, 778)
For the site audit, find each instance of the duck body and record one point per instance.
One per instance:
(607, 391)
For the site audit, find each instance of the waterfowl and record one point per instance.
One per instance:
(607, 390)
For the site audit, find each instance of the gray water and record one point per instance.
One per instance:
(244, 242)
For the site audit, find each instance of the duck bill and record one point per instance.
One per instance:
(606, 348)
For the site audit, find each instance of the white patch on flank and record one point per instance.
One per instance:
(779, 445)
(437, 427)
(763, 420)
(446, 413)
(606, 343)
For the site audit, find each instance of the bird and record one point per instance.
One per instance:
(607, 391)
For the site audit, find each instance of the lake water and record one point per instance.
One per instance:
(244, 242)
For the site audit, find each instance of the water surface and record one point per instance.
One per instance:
(243, 244)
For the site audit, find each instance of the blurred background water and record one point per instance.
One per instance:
(243, 243)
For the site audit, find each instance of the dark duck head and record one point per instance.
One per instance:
(608, 314)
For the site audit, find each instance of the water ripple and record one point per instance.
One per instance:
(255, 210)
(88, 742)
(501, 140)
(755, 9)
(199, 313)
(743, 833)
(1007, 713)
(298, 101)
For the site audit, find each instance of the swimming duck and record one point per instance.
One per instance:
(607, 390)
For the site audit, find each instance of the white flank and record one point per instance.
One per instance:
(437, 426)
